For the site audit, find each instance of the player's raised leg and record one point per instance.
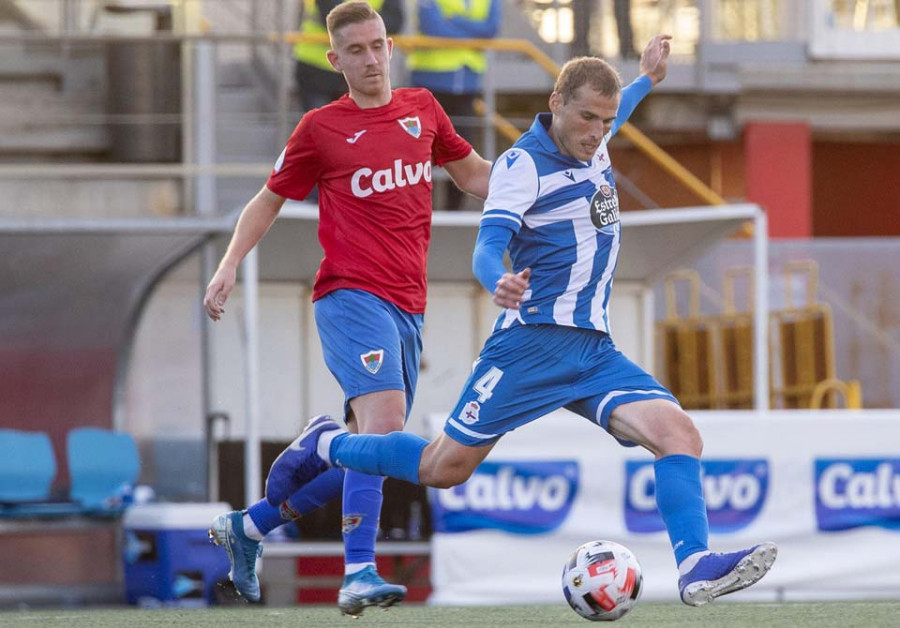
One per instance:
(717, 574)
(663, 428)
(441, 463)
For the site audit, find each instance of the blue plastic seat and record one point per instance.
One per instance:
(27, 466)
(101, 464)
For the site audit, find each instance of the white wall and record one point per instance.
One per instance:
(164, 386)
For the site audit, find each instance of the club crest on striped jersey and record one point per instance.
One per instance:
(372, 360)
(605, 208)
(411, 125)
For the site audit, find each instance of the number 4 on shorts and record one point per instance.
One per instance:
(485, 386)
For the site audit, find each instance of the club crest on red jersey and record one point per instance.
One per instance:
(411, 126)
(372, 360)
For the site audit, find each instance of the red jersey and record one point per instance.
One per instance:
(373, 168)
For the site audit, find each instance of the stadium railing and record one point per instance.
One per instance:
(281, 42)
(706, 361)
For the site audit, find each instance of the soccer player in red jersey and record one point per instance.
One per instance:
(371, 153)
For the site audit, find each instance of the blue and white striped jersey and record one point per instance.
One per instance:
(565, 216)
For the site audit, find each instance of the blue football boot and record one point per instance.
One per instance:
(299, 463)
(227, 530)
(716, 575)
(366, 588)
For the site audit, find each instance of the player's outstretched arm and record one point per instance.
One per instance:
(470, 174)
(654, 66)
(655, 58)
(255, 220)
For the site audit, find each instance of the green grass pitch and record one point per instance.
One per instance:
(719, 615)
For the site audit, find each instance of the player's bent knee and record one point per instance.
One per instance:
(687, 436)
(448, 480)
(444, 476)
(446, 463)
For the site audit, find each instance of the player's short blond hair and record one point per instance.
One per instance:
(597, 73)
(348, 13)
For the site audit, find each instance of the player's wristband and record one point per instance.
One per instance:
(487, 258)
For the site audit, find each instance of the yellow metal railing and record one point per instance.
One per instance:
(851, 391)
(707, 361)
(525, 47)
(506, 128)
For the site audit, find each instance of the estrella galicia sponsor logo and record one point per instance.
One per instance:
(521, 497)
(605, 208)
(857, 492)
(735, 492)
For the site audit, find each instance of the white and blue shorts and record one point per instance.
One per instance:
(527, 371)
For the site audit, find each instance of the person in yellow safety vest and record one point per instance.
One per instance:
(317, 82)
(454, 75)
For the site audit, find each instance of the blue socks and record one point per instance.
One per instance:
(362, 509)
(679, 498)
(371, 456)
(315, 494)
(395, 455)
(265, 516)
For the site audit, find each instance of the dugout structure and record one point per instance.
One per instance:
(76, 291)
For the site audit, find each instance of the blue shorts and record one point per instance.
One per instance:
(527, 371)
(369, 344)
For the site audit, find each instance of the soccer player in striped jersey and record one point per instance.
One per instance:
(371, 154)
(553, 205)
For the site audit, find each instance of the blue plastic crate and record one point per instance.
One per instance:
(168, 557)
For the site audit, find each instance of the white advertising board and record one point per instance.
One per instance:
(825, 486)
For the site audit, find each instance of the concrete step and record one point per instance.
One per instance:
(36, 117)
(246, 141)
(77, 198)
(20, 67)
(243, 100)
(14, 16)
(41, 100)
(91, 141)
(233, 194)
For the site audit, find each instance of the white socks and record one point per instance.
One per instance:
(353, 568)
(324, 445)
(250, 529)
(688, 563)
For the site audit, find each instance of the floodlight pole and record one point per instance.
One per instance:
(252, 459)
(761, 312)
(206, 204)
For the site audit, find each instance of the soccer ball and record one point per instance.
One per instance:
(602, 581)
